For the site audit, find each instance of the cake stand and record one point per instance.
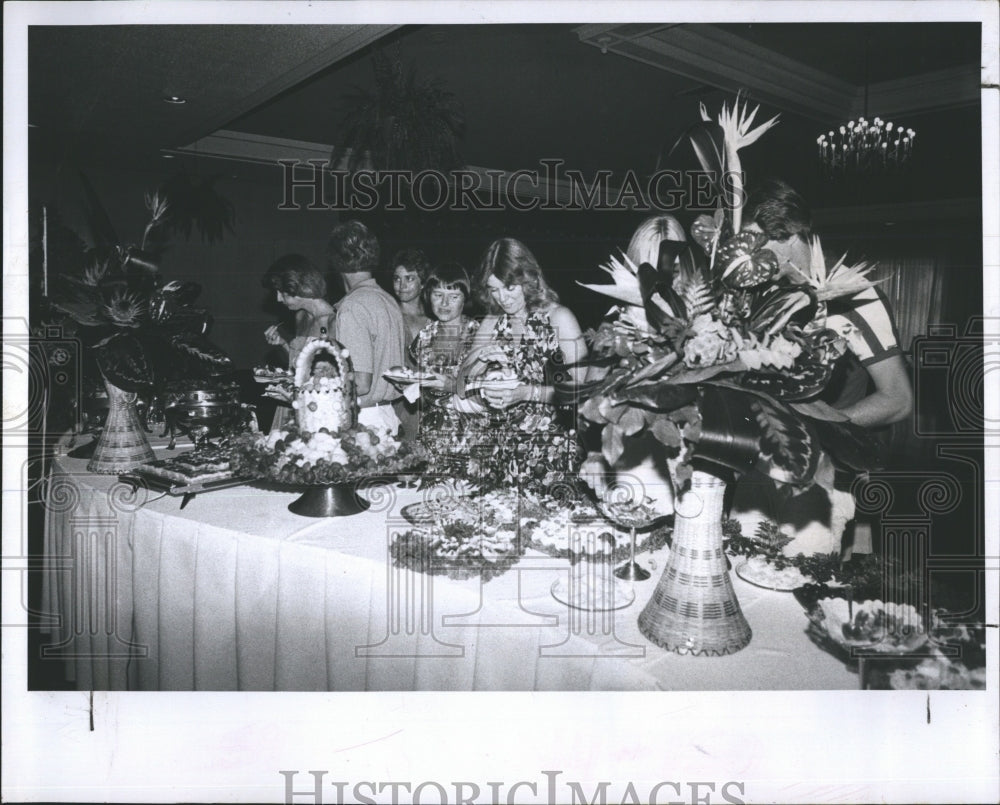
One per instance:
(330, 500)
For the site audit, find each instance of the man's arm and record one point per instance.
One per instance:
(892, 400)
(362, 382)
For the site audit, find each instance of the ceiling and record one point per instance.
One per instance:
(611, 97)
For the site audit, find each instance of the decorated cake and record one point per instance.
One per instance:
(326, 444)
(324, 388)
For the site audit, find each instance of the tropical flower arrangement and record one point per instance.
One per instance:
(718, 352)
(142, 330)
(300, 458)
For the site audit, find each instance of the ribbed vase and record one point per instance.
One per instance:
(694, 609)
(122, 445)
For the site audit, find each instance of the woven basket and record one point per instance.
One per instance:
(122, 444)
(694, 609)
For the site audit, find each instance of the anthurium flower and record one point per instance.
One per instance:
(744, 262)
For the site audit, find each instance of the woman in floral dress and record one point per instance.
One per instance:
(526, 343)
(439, 348)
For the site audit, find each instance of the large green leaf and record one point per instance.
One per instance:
(122, 360)
(789, 449)
(850, 445)
(661, 396)
(212, 359)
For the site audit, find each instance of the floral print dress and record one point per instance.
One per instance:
(531, 445)
(442, 429)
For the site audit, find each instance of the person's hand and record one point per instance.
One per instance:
(272, 336)
(466, 405)
(502, 398)
(439, 383)
(279, 392)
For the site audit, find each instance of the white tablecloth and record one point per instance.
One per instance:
(234, 592)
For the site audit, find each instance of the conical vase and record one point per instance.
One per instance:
(694, 609)
(122, 445)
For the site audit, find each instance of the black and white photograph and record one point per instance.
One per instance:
(460, 402)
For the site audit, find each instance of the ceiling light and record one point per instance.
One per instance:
(865, 146)
(177, 100)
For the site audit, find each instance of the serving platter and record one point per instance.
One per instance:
(156, 483)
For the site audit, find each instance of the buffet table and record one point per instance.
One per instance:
(234, 592)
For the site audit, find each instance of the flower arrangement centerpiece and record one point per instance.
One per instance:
(140, 330)
(719, 354)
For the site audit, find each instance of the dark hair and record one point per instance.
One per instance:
(352, 249)
(511, 262)
(779, 210)
(448, 275)
(295, 275)
(412, 259)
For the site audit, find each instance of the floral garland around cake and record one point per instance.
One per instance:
(297, 457)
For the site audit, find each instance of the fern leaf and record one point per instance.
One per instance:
(698, 297)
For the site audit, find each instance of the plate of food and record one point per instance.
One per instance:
(757, 571)
(270, 374)
(882, 627)
(406, 377)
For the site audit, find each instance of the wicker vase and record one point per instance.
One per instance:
(694, 609)
(122, 444)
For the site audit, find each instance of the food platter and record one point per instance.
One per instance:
(272, 375)
(141, 478)
(408, 376)
(761, 573)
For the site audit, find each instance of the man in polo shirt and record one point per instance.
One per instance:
(872, 387)
(368, 323)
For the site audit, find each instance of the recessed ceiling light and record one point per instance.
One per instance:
(167, 156)
(177, 100)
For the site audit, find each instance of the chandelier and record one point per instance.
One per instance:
(866, 146)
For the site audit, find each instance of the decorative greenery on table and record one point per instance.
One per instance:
(300, 458)
(142, 330)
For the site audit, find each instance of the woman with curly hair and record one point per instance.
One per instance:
(526, 343)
